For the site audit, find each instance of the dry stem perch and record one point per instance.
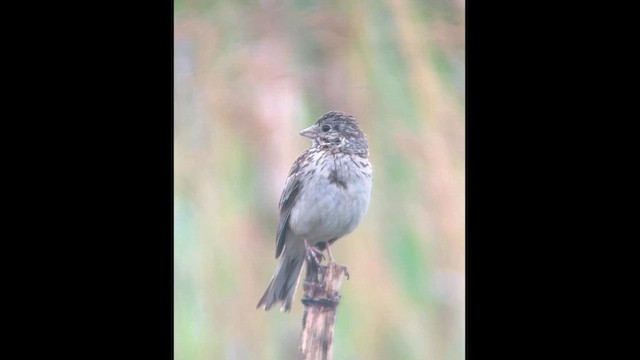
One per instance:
(321, 299)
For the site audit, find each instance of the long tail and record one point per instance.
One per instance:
(285, 280)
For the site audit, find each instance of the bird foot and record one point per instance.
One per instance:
(313, 253)
(331, 259)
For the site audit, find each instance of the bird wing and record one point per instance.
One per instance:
(290, 194)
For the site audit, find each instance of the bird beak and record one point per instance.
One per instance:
(309, 132)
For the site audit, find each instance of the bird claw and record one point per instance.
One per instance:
(313, 253)
(345, 269)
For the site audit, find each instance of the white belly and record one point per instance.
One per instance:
(333, 202)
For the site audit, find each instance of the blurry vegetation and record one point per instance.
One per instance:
(248, 76)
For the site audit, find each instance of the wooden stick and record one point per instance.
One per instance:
(321, 299)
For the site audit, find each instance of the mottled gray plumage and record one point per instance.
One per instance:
(325, 196)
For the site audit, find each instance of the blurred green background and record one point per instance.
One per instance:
(248, 76)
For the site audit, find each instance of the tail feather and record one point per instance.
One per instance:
(285, 280)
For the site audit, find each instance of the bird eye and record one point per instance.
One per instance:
(326, 128)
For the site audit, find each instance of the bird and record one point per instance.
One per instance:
(325, 197)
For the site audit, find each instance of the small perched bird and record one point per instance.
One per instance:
(325, 196)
